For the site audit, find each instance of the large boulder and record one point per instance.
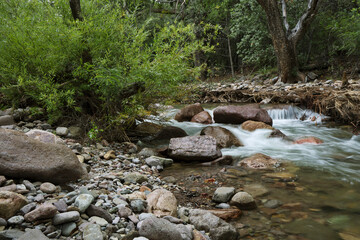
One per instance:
(259, 161)
(217, 228)
(24, 157)
(188, 112)
(155, 132)
(224, 138)
(10, 203)
(194, 148)
(168, 132)
(202, 117)
(254, 125)
(162, 203)
(239, 114)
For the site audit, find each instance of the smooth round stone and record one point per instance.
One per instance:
(223, 194)
(66, 217)
(119, 201)
(16, 220)
(68, 228)
(243, 200)
(92, 232)
(83, 201)
(98, 220)
(48, 187)
(62, 131)
(124, 212)
(273, 203)
(140, 238)
(144, 216)
(223, 206)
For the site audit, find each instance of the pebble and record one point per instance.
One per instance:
(66, 217)
(273, 203)
(92, 232)
(15, 220)
(68, 228)
(48, 187)
(83, 201)
(98, 220)
(62, 131)
(223, 194)
(44, 211)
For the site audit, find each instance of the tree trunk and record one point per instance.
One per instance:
(76, 9)
(285, 39)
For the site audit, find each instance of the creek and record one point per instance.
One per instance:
(323, 201)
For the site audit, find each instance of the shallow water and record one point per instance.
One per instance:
(328, 179)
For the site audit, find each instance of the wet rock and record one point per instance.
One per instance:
(203, 117)
(6, 120)
(92, 232)
(254, 125)
(226, 214)
(188, 112)
(259, 161)
(224, 160)
(256, 190)
(83, 201)
(44, 211)
(162, 202)
(310, 140)
(48, 187)
(10, 203)
(148, 128)
(159, 229)
(218, 228)
(66, 217)
(194, 148)
(44, 136)
(93, 210)
(135, 177)
(223, 194)
(68, 228)
(273, 203)
(23, 157)
(224, 137)
(310, 229)
(282, 176)
(62, 131)
(239, 114)
(243, 200)
(276, 133)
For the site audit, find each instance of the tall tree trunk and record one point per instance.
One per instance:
(285, 39)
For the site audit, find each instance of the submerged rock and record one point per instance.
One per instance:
(310, 140)
(259, 161)
(194, 148)
(224, 138)
(254, 125)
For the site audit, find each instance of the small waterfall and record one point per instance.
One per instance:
(295, 113)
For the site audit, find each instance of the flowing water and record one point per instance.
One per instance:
(328, 176)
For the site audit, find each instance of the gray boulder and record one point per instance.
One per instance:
(23, 157)
(6, 120)
(194, 148)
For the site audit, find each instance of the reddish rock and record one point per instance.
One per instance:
(259, 161)
(254, 125)
(44, 211)
(239, 114)
(310, 140)
(202, 117)
(10, 203)
(194, 148)
(224, 138)
(226, 214)
(188, 112)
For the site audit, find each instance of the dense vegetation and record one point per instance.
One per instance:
(123, 55)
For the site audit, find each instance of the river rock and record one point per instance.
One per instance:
(138, 205)
(66, 217)
(158, 161)
(310, 140)
(158, 229)
(239, 114)
(10, 203)
(243, 200)
(223, 194)
(68, 228)
(83, 201)
(62, 131)
(188, 112)
(168, 132)
(44, 211)
(48, 187)
(75, 132)
(259, 161)
(135, 177)
(256, 190)
(93, 210)
(12, 234)
(33, 234)
(44, 136)
(92, 232)
(276, 133)
(98, 220)
(124, 212)
(162, 202)
(226, 214)
(16, 220)
(224, 160)
(224, 138)
(23, 157)
(2, 180)
(218, 228)
(203, 117)
(194, 148)
(6, 120)
(148, 128)
(254, 125)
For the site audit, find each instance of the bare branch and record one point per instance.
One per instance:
(284, 12)
(305, 20)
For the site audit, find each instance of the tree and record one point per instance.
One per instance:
(285, 39)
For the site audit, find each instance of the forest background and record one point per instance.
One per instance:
(103, 62)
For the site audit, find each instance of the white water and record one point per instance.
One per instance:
(339, 154)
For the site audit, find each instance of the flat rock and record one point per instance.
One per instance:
(194, 148)
(256, 190)
(93, 210)
(282, 176)
(254, 125)
(259, 161)
(10, 203)
(68, 228)
(12, 234)
(135, 177)
(83, 201)
(24, 157)
(99, 221)
(92, 232)
(33, 234)
(162, 202)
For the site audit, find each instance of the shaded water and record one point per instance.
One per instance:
(328, 185)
